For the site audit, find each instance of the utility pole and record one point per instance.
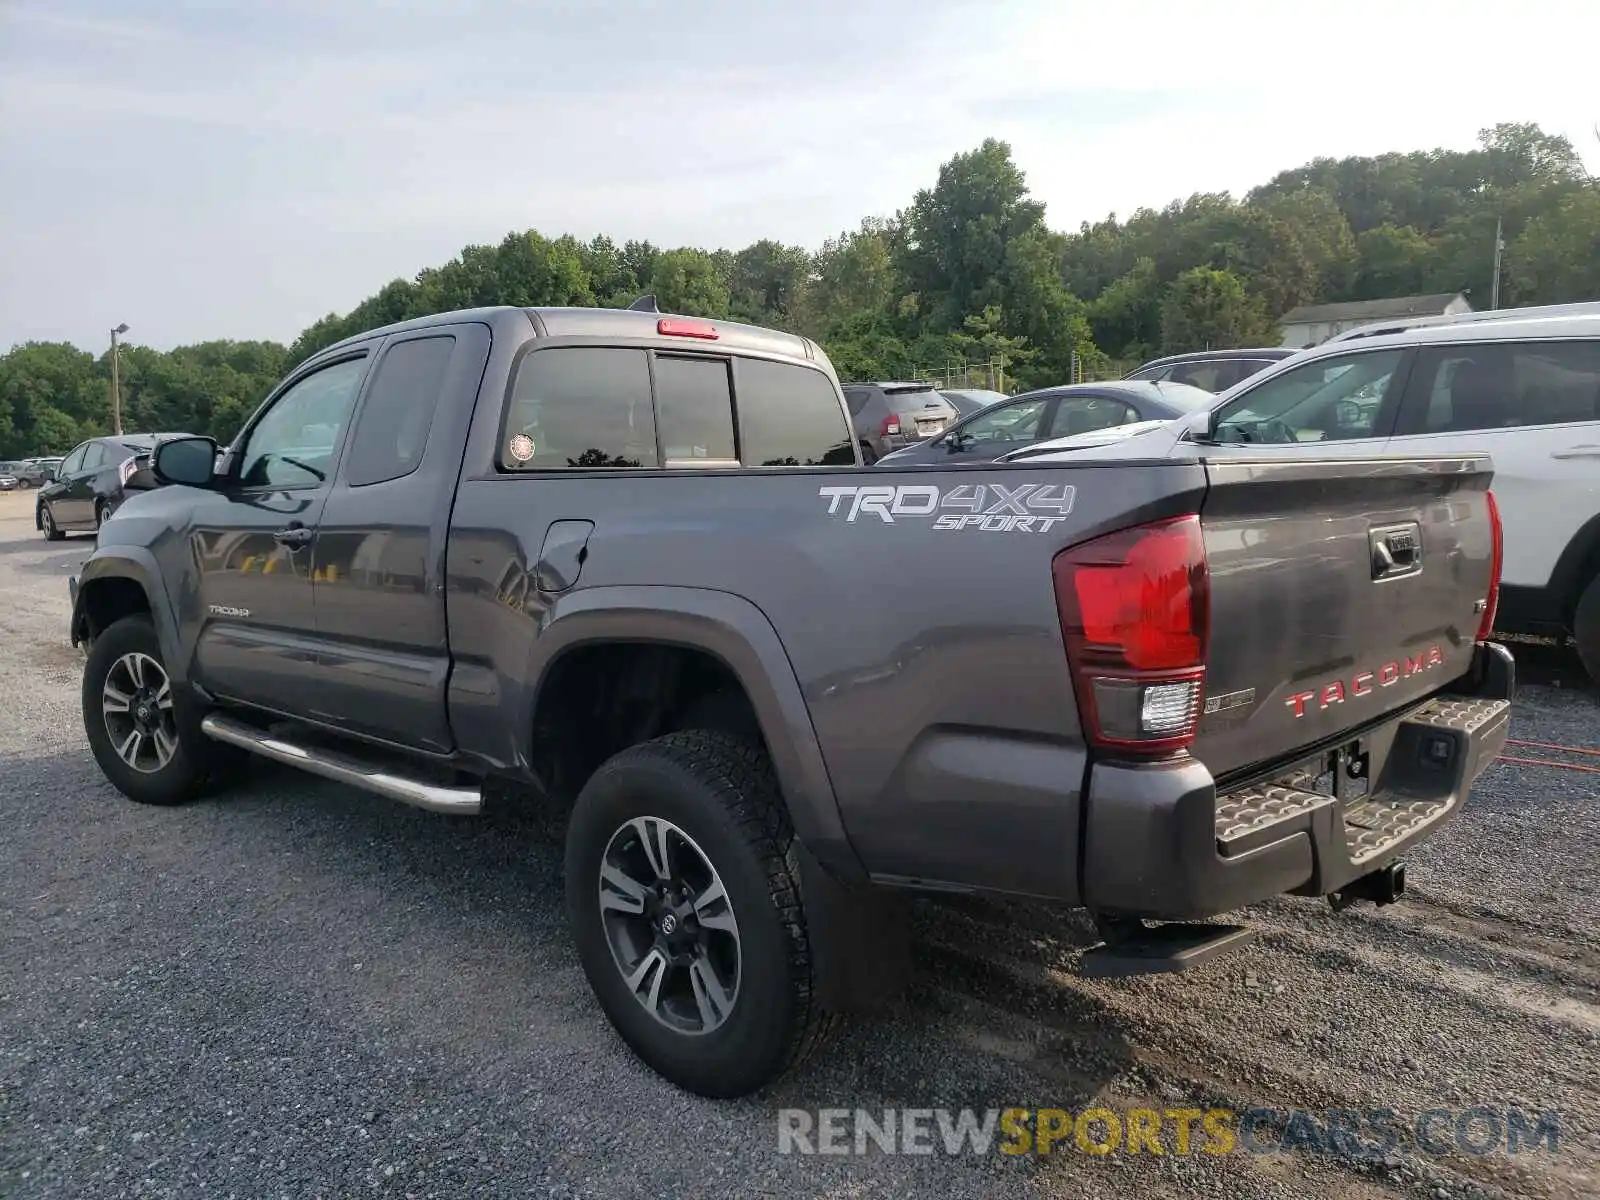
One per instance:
(1499, 249)
(116, 384)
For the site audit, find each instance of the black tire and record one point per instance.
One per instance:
(722, 793)
(195, 759)
(47, 523)
(1586, 629)
(868, 455)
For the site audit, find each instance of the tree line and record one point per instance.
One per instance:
(968, 272)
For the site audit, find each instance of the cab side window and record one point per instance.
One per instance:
(1339, 398)
(580, 407)
(297, 439)
(1503, 385)
(391, 433)
(73, 462)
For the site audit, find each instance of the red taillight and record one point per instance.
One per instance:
(678, 327)
(1135, 613)
(891, 425)
(1497, 556)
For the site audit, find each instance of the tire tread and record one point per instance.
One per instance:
(742, 780)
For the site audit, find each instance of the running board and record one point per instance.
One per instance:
(465, 801)
(1154, 949)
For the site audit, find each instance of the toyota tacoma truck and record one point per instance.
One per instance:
(632, 563)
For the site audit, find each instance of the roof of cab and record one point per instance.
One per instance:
(608, 323)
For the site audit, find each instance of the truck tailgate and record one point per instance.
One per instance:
(1340, 591)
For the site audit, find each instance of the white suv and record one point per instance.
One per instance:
(1523, 385)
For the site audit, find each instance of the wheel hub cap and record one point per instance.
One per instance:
(136, 702)
(670, 925)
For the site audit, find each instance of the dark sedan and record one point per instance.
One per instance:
(1214, 370)
(92, 480)
(1052, 413)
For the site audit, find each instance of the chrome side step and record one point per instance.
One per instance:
(466, 801)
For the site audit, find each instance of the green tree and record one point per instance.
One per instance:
(1557, 258)
(766, 281)
(959, 231)
(1393, 260)
(687, 281)
(1125, 319)
(1207, 309)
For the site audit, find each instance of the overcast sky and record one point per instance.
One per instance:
(205, 170)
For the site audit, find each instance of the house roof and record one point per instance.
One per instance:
(1371, 310)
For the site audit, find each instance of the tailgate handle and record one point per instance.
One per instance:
(1396, 551)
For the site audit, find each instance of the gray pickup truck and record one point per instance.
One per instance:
(632, 563)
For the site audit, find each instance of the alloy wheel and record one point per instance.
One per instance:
(136, 700)
(670, 925)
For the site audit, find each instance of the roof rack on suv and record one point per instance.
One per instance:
(1583, 308)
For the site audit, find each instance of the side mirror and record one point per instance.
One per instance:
(188, 460)
(1202, 426)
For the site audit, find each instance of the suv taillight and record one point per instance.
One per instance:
(891, 425)
(1135, 613)
(1497, 555)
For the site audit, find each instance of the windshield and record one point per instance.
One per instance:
(1331, 399)
(1185, 397)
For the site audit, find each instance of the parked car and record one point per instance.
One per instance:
(889, 416)
(967, 401)
(92, 482)
(36, 472)
(1213, 370)
(1052, 413)
(620, 559)
(8, 478)
(1523, 387)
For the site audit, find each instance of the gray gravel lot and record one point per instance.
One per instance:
(298, 990)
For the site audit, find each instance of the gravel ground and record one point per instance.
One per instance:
(298, 990)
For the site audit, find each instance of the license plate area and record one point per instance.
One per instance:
(930, 427)
(1343, 773)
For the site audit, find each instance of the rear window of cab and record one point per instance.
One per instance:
(576, 408)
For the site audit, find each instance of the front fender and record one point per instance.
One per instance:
(138, 565)
(736, 632)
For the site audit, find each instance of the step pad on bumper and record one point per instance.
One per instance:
(1372, 826)
(1246, 819)
(1259, 815)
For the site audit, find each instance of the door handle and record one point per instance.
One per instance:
(1584, 450)
(294, 537)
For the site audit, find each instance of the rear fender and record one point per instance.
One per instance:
(736, 632)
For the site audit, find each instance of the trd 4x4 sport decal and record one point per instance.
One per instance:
(988, 507)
